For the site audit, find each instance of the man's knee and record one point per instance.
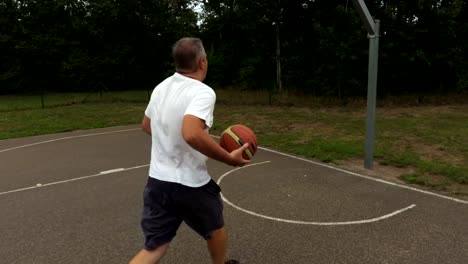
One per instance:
(150, 256)
(218, 234)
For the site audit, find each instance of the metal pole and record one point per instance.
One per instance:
(366, 16)
(373, 28)
(42, 99)
(371, 95)
(278, 60)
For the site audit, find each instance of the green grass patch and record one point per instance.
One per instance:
(400, 159)
(454, 173)
(326, 150)
(51, 100)
(68, 118)
(414, 178)
(429, 139)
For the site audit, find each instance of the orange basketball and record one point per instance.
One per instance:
(236, 136)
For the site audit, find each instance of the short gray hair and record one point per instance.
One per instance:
(186, 53)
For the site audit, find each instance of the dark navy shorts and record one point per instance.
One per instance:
(167, 204)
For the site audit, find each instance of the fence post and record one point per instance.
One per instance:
(42, 99)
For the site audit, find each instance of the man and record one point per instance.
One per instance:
(179, 188)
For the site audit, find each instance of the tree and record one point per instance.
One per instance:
(314, 47)
(9, 33)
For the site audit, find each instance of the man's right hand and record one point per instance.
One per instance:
(236, 156)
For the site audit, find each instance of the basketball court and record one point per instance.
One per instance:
(76, 197)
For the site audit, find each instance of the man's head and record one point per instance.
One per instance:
(190, 58)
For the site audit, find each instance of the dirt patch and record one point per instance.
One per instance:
(428, 151)
(384, 172)
(415, 112)
(392, 174)
(437, 152)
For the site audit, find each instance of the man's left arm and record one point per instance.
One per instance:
(146, 125)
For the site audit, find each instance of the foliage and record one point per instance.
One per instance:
(71, 45)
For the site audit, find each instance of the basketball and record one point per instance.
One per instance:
(236, 136)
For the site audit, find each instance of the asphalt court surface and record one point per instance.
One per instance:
(76, 197)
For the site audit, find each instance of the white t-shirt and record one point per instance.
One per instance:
(172, 159)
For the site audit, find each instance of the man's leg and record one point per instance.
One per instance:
(217, 245)
(159, 222)
(150, 256)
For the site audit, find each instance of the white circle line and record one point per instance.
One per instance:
(64, 138)
(356, 222)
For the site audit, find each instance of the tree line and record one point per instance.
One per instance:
(320, 47)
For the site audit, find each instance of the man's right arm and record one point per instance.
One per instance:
(194, 133)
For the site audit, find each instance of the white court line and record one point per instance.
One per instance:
(369, 178)
(112, 171)
(39, 185)
(273, 151)
(70, 137)
(356, 222)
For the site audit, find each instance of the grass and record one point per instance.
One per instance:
(428, 140)
(415, 178)
(25, 102)
(22, 123)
